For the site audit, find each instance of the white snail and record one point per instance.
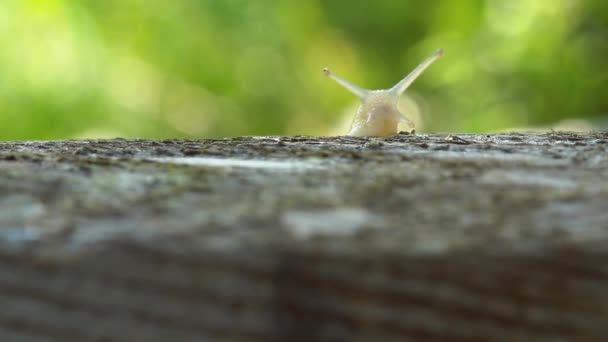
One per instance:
(378, 114)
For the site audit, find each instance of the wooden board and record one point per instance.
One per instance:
(411, 237)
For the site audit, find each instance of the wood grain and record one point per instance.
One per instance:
(406, 238)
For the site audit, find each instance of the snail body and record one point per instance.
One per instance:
(378, 115)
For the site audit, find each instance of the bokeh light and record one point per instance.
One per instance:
(210, 68)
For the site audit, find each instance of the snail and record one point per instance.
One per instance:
(378, 114)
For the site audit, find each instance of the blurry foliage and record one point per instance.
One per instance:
(213, 68)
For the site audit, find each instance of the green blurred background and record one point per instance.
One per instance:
(216, 68)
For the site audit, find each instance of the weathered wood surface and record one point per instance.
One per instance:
(426, 237)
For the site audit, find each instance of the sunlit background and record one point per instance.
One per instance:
(216, 68)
